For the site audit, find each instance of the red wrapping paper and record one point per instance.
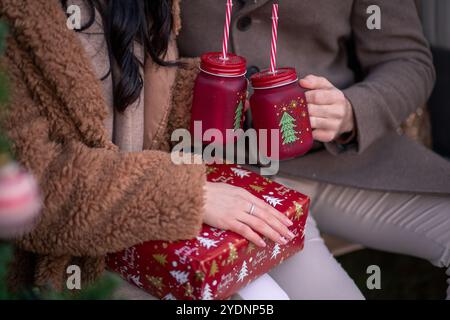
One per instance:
(217, 263)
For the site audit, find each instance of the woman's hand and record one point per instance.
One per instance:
(330, 112)
(228, 208)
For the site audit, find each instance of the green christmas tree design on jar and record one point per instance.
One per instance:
(279, 107)
(238, 116)
(287, 125)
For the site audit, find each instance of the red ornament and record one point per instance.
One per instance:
(19, 200)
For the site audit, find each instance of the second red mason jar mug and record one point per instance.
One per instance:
(278, 102)
(219, 94)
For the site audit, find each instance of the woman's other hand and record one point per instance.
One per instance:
(229, 207)
(330, 111)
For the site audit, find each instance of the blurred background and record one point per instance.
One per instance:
(435, 16)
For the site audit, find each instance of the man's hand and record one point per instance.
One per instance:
(330, 112)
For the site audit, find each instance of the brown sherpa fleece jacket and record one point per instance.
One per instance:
(96, 199)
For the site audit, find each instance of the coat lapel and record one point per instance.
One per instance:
(158, 82)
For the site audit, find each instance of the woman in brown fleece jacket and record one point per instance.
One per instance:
(99, 148)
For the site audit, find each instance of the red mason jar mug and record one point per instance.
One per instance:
(219, 94)
(278, 102)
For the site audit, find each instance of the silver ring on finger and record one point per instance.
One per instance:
(252, 209)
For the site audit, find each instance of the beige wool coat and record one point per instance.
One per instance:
(386, 74)
(97, 198)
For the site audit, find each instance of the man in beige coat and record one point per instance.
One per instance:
(368, 181)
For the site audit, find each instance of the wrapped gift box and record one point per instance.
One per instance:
(217, 263)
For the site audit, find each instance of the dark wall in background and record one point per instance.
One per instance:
(439, 104)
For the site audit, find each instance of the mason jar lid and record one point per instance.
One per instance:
(233, 66)
(266, 79)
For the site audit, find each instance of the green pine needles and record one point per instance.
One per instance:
(288, 132)
(238, 116)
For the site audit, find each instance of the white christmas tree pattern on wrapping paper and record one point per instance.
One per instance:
(273, 201)
(169, 297)
(276, 251)
(181, 276)
(241, 173)
(136, 280)
(207, 243)
(243, 273)
(207, 293)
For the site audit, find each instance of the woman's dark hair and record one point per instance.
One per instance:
(148, 22)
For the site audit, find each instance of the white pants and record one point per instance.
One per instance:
(310, 274)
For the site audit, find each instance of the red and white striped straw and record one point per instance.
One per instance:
(226, 30)
(273, 52)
